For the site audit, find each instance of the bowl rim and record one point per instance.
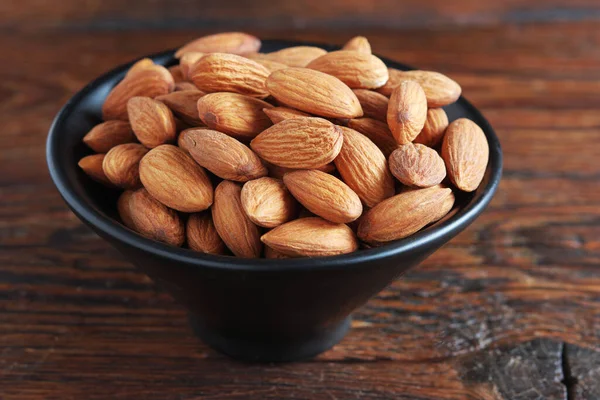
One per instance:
(429, 236)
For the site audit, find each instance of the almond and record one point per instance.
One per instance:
(184, 105)
(324, 195)
(223, 155)
(270, 64)
(374, 105)
(404, 214)
(173, 178)
(311, 237)
(465, 151)
(357, 70)
(303, 143)
(267, 202)
(435, 126)
(121, 165)
(234, 114)
(278, 114)
(142, 213)
(182, 142)
(278, 172)
(377, 131)
(177, 73)
(187, 61)
(417, 165)
(233, 225)
(109, 134)
(140, 65)
(220, 72)
(202, 235)
(407, 111)
(439, 89)
(151, 121)
(180, 86)
(92, 166)
(296, 56)
(364, 168)
(314, 92)
(358, 43)
(227, 42)
(270, 253)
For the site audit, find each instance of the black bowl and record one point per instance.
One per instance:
(253, 309)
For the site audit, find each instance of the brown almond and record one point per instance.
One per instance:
(140, 65)
(109, 134)
(278, 114)
(181, 86)
(324, 195)
(271, 65)
(357, 70)
(407, 111)
(270, 253)
(173, 178)
(278, 172)
(435, 126)
(223, 155)
(364, 168)
(439, 89)
(311, 237)
(234, 114)
(121, 165)
(92, 166)
(182, 142)
(295, 56)
(238, 232)
(202, 235)
(377, 131)
(187, 61)
(374, 105)
(184, 105)
(220, 72)
(142, 213)
(177, 73)
(417, 165)
(358, 43)
(226, 42)
(303, 143)
(314, 92)
(404, 214)
(465, 151)
(151, 121)
(267, 202)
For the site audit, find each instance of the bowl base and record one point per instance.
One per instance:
(269, 350)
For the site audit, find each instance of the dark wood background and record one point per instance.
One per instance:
(510, 309)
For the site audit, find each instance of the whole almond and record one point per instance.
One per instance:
(278, 114)
(407, 111)
(220, 72)
(187, 61)
(278, 172)
(103, 137)
(173, 178)
(238, 232)
(223, 155)
(465, 151)
(271, 65)
(374, 105)
(435, 126)
(357, 70)
(304, 143)
(417, 165)
(151, 121)
(140, 65)
(324, 195)
(184, 105)
(377, 131)
(202, 235)
(314, 92)
(227, 42)
(311, 237)
(295, 56)
(364, 168)
(177, 73)
(121, 165)
(267, 202)
(270, 253)
(404, 214)
(92, 166)
(234, 114)
(142, 213)
(358, 43)
(439, 89)
(180, 86)
(182, 142)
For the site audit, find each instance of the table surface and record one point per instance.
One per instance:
(510, 309)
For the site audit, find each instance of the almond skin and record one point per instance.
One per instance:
(439, 89)
(180, 86)
(109, 134)
(296, 56)
(278, 172)
(187, 61)
(267, 202)
(142, 213)
(374, 105)
(324, 195)
(234, 114)
(183, 104)
(176, 73)
(407, 111)
(278, 114)
(311, 237)
(173, 178)
(220, 72)
(271, 65)
(404, 214)
(270, 253)
(358, 43)
(226, 42)
(314, 92)
(238, 232)
(92, 166)
(223, 155)
(140, 65)
(302, 143)
(417, 165)
(151, 121)
(202, 235)
(121, 165)
(434, 129)
(465, 151)
(364, 168)
(357, 70)
(377, 131)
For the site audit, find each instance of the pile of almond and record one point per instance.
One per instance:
(299, 152)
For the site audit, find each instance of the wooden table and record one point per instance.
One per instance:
(510, 309)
